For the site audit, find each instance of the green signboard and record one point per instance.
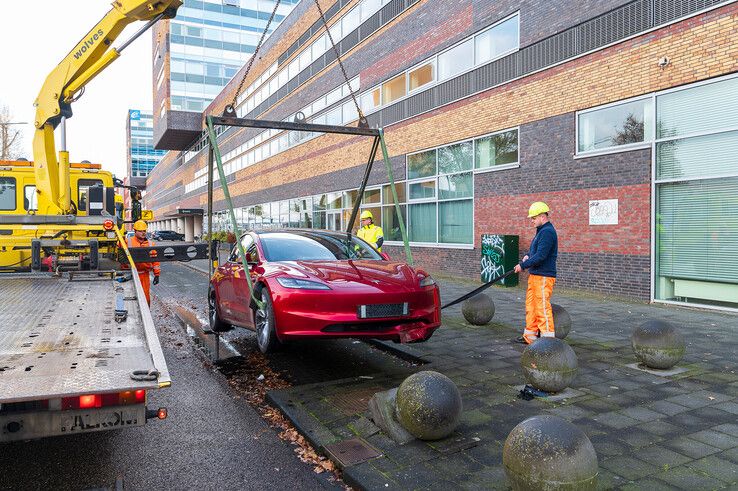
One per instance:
(499, 255)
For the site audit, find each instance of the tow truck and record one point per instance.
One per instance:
(79, 350)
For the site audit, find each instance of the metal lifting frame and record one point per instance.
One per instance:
(214, 157)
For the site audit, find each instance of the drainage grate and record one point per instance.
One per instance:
(354, 401)
(351, 452)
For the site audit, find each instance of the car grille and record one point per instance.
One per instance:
(379, 310)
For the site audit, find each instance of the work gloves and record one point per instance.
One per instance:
(156, 279)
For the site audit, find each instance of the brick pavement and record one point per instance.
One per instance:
(649, 431)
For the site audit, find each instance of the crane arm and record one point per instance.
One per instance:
(92, 54)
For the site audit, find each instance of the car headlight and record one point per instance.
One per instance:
(289, 282)
(427, 281)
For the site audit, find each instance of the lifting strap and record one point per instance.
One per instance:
(224, 184)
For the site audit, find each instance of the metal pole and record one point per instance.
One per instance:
(367, 171)
(63, 132)
(398, 210)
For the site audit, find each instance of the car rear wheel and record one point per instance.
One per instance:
(216, 324)
(266, 333)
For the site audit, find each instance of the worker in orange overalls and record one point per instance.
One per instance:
(139, 239)
(541, 260)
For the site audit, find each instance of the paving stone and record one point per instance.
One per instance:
(649, 483)
(727, 428)
(731, 455)
(366, 476)
(628, 467)
(690, 448)
(687, 478)
(616, 420)
(641, 413)
(730, 407)
(668, 408)
(715, 439)
(661, 427)
(714, 466)
(638, 438)
(661, 456)
(606, 446)
(487, 478)
(569, 412)
(606, 480)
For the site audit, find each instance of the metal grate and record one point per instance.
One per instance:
(351, 452)
(380, 310)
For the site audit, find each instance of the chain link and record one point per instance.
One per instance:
(230, 109)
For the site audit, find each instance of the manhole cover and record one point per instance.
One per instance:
(354, 401)
(351, 452)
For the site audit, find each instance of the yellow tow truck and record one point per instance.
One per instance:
(92, 194)
(78, 349)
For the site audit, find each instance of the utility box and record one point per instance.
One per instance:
(499, 255)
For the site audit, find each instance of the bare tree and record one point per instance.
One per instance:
(10, 136)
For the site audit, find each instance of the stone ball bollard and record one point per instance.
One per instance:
(548, 452)
(428, 405)
(478, 310)
(562, 321)
(549, 364)
(657, 344)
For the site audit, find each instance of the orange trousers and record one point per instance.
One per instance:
(538, 316)
(146, 284)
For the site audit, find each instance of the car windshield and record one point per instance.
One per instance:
(315, 246)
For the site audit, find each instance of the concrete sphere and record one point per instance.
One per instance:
(547, 452)
(549, 364)
(657, 344)
(562, 321)
(428, 405)
(478, 310)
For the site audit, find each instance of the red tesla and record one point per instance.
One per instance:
(317, 283)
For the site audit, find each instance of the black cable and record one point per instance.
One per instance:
(478, 290)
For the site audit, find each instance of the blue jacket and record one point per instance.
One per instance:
(543, 252)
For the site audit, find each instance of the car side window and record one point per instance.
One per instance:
(248, 244)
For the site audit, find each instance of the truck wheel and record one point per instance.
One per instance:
(266, 330)
(216, 324)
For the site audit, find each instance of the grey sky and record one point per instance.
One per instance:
(35, 36)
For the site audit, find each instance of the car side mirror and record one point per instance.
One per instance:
(385, 256)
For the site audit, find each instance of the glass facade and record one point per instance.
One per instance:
(142, 157)
(696, 184)
(210, 40)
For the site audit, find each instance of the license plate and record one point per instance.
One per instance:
(380, 310)
(101, 419)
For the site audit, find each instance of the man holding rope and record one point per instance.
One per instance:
(541, 261)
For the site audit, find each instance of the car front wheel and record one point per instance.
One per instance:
(266, 334)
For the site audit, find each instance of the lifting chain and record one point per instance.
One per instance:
(230, 109)
(363, 123)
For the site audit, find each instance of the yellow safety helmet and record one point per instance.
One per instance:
(140, 225)
(537, 208)
(367, 214)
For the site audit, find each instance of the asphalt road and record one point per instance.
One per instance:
(210, 440)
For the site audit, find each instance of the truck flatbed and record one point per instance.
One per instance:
(59, 337)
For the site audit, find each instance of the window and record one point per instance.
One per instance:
(420, 76)
(421, 164)
(30, 198)
(497, 149)
(422, 226)
(456, 60)
(393, 89)
(370, 100)
(422, 190)
(497, 40)
(628, 123)
(455, 158)
(372, 196)
(83, 187)
(7, 193)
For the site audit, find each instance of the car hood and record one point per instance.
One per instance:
(374, 275)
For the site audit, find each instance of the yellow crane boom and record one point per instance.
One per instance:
(65, 83)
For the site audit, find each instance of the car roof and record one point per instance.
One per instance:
(303, 232)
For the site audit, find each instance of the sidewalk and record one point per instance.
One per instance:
(650, 432)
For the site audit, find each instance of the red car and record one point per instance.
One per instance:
(317, 283)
